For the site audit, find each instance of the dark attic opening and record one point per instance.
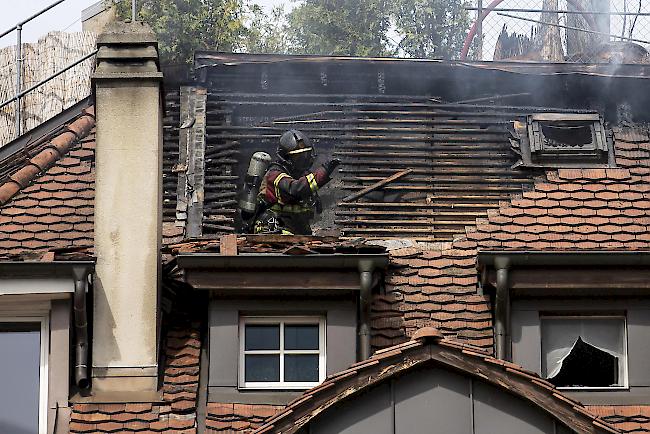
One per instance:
(560, 135)
(587, 366)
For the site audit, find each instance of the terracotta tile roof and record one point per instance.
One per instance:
(177, 411)
(428, 347)
(432, 288)
(222, 418)
(574, 210)
(627, 418)
(46, 202)
(53, 150)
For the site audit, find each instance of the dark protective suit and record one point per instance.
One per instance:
(290, 202)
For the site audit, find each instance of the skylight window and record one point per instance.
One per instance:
(563, 140)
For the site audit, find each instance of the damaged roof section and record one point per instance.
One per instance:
(231, 245)
(604, 209)
(412, 168)
(422, 158)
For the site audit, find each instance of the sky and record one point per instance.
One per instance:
(66, 16)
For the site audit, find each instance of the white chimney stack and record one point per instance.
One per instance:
(127, 209)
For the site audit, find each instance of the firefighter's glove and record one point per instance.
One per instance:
(331, 165)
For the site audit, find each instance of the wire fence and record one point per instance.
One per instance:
(40, 61)
(581, 31)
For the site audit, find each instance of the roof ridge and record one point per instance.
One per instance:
(425, 337)
(56, 148)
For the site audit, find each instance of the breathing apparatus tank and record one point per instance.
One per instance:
(256, 170)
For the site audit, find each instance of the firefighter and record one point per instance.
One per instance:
(289, 190)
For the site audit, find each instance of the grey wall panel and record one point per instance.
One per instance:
(341, 337)
(224, 345)
(638, 346)
(371, 413)
(526, 339)
(497, 412)
(432, 401)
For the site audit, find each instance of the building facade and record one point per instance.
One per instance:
(481, 263)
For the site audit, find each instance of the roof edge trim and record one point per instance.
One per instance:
(505, 259)
(278, 261)
(27, 269)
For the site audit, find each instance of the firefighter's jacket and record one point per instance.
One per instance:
(291, 200)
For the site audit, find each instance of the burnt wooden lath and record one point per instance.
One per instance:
(221, 165)
(171, 124)
(191, 191)
(461, 161)
(459, 155)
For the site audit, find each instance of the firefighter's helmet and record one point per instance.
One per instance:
(296, 151)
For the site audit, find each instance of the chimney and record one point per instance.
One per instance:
(127, 84)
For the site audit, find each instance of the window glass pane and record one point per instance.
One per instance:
(262, 367)
(301, 337)
(301, 367)
(262, 337)
(587, 352)
(19, 377)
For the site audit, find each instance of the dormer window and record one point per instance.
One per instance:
(584, 351)
(563, 140)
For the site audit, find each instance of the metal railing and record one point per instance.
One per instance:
(19, 93)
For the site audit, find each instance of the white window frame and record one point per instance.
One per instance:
(43, 382)
(282, 320)
(625, 369)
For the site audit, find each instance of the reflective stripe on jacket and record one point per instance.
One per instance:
(286, 194)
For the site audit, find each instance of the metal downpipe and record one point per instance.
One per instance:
(502, 310)
(365, 300)
(81, 327)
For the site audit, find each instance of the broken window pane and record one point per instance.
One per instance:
(584, 351)
(587, 366)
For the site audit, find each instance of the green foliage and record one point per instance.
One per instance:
(266, 33)
(186, 26)
(411, 28)
(339, 27)
(431, 28)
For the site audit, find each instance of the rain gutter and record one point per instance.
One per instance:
(256, 261)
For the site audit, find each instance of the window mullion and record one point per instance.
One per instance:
(281, 351)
